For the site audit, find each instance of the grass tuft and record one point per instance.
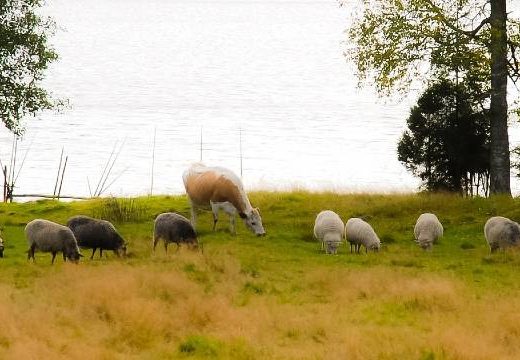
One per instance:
(199, 345)
(120, 210)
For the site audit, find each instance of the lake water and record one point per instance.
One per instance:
(270, 72)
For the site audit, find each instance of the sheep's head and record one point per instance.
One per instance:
(425, 242)
(73, 255)
(121, 251)
(513, 230)
(332, 241)
(332, 247)
(375, 247)
(193, 243)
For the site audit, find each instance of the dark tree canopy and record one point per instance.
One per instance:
(24, 56)
(447, 141)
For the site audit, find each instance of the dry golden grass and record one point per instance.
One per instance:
(153, 311)
(276, 297)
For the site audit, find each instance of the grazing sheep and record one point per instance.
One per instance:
(97, 234)
(501, 233)
(173, 228)
(360, 233)
(330, 230)
(427, 230)
(47, 236)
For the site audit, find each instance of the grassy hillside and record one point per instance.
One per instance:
(272, 297)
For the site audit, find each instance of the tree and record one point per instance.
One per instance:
(396, 42)
(447, 141)
(24, 56)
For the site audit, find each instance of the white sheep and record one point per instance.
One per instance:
(329, 229)
(359, 232)
(427, 230)
(501, 233)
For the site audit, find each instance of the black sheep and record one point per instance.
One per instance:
(97, 234)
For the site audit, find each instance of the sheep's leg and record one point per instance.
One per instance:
(64, 257)
(155, 241)
(178, 246)
(166, 247)
(53, 256)
(100, 253)
(93, 252)
(30, 252)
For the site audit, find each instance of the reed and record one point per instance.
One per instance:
(120, 210)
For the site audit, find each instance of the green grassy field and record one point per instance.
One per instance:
(274, 297)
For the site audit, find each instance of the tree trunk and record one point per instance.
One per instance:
(499, 152)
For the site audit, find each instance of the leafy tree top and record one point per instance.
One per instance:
(397, 42)
(24, 56)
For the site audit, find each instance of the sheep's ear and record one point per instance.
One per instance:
(242, 215)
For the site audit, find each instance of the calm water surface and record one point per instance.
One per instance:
(270, 70)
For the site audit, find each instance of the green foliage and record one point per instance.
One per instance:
(396, 42)
(447, 141)
(24, 56)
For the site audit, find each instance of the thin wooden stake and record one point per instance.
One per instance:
(111, 167)
(89, 189)
(115, 179)
(4, 169)
(62, 176)
(153, 159)
(104, 170)
(58, 174)
(240, 141)
(23, 161)
(14, 162)
(11, 161)
(201, 144)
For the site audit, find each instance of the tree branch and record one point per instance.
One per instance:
(513, 63)
(442, 17)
